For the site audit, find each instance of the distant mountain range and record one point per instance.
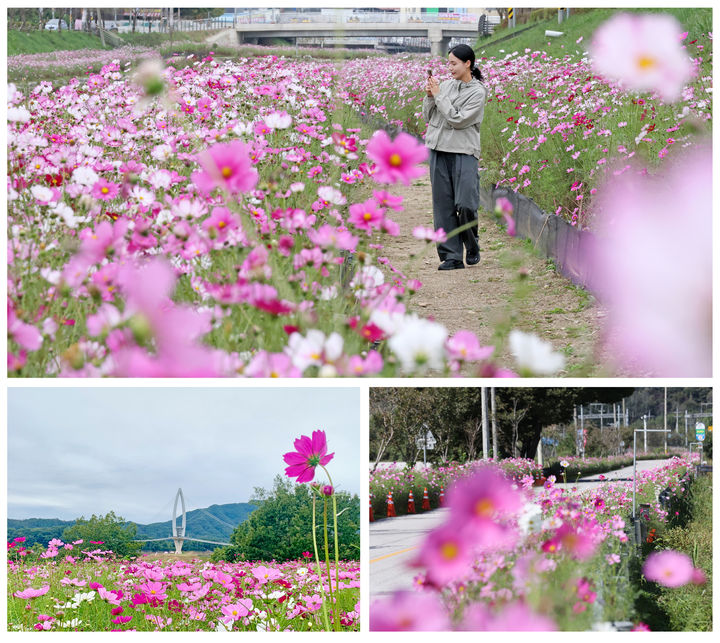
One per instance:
(216, 522)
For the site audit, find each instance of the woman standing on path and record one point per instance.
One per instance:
(454, 111)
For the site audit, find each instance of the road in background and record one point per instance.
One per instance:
(394, 541)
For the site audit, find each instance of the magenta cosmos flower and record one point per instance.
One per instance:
(397, 160)
(308, 454)
(669, 568)
(226, 165)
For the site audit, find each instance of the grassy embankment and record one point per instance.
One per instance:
(687, 608)
(582, 23)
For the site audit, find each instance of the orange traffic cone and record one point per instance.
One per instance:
(372, 518)
(411, 504)
(426, 501)
(390, 506)
(442, 497)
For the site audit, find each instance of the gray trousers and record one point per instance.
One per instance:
(455, 198)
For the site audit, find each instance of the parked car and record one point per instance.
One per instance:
(52, 25)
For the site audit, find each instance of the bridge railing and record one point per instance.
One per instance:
(348, 15)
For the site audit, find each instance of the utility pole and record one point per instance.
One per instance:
(494, 423)
(644, 419)
(483, 405)
(686, 433)
(665, 421)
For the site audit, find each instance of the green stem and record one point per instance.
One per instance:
(333, 602)
(319, 571)
(335, 527)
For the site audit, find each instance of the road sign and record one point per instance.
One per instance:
(699, 431)
(428, 441)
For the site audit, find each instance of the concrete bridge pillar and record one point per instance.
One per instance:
(439, 43)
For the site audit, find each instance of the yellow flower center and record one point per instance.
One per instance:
(484, 508)
(221, 224)
(226, 172)
(449, 551)
(104, 190)
(367, 216)
(646, 62)
(395, 160)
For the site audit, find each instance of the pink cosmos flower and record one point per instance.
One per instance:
(308, 454)
(266, 574)
(580, 544)
(428, 234)
(24, 334)
(397, 160)
(669, 568)
(483, 498)
(31, 592)
(464, 345)
(265, 364)
(226, 165)
(654, 245)
(236, 611)
(643, 52)
(371, 365)
(387, 200)
(105, 190)
(516, 617)
(446, 553)
(174, 329)
(409, 612)
(367, 216)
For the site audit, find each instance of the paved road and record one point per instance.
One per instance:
(393, 545)
(394, 541)
(624, 474)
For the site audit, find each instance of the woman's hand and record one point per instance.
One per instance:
(432, 88)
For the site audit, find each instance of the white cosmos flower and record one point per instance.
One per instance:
(534, 354)
(314, 348)
(18, 114)
(162, 152)
(331, 195)
(67, 214)
(278, 120)
(419, 344)
(85, 175)
(41, 193)
(366, 280)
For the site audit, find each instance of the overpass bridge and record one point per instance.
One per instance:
(439, 34)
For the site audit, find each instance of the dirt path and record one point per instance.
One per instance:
(483, 298)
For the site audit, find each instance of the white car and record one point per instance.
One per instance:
(52, 25)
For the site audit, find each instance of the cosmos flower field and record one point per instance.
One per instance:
(131, 254)
(507, 559)
(228, 217)
(82, 588)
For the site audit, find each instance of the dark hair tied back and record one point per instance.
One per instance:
(465, 53)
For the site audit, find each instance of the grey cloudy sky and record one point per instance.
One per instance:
(79, 451)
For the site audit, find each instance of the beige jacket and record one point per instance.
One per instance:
(454, 117)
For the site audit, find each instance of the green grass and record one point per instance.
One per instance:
(690, 607)
(581, 23)
(36, 42)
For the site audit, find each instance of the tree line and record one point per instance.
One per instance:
(513, 419)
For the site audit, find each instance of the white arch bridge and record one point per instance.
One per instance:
(178, 530)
